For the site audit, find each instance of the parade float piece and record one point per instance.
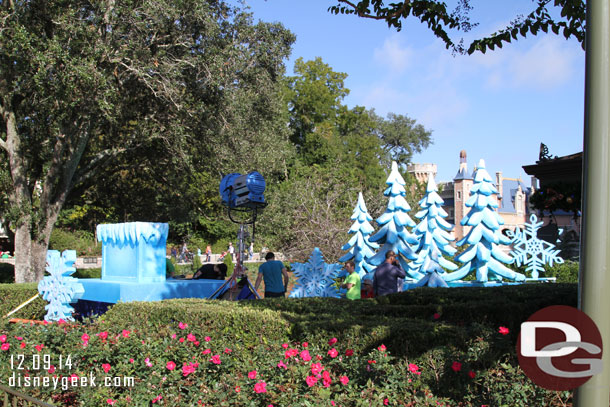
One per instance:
(316, 278)
(58, 288)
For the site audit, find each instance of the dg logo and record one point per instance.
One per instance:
(560, 348)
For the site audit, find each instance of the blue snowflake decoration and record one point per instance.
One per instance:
(58, 288)
(315, 278)
(529, 250)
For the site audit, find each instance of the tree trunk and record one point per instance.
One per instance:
(24, 272)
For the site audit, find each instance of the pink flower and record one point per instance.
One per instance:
(281, 364)
(5, 346)
(215, 359)
(191, 338)
(196, 343)
(181, 340)
(472, 374)
(111, 402)
(285, 345)
(61, 321)
(206, 351)
(260, 387)
(382, 348)
(2, 338)
(332, 341)
(349, 352)
(188, 369)
(311, 381)
(305, 356)
(103, 335)
(252, 375)
(227, 351)
(436, 315)
(326, 383)
(305, 344)
(207, 339)
(85, 338)
(174, 336)
(131, 360)
(344, 380)
(125, 333)
(170, 365)
(148, 362)
(182, 325)
(19, 338)
(106, 367)
(316, 368)
(326, 375)
(22, 345)
(237, 389)
(333, 353)
(39, 347)
(456, 366)
(332, 403)
(386, 402)
(371, 362)
(51, 369)
(159, 397)
(503, 330)
(413, 368)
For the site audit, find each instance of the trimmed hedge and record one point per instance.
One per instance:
(14, 295)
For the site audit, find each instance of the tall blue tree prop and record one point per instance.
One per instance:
(433, 234)
(483, 254)
(359, 246)
(316, 277)
(58, 288)
(528, 249)
(393, 232)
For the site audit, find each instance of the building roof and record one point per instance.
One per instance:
(509, 190)
(462, 174)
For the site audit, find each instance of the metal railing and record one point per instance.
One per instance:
(14, 398)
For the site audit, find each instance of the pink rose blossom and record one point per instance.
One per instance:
(281, 364)
(472, 374)
(22, 345)
(131, 360)
(170, 365)
(85, 338)
(305, 344)
(227, 351)
(386, 402)
(285, 345)
(252, 375)
(51, 369)
(207, 339)
(125, 333)
(332, 341)
(316, 368)
(305, 356)
(215, 359)
(382, 348)
(206, 351)
(344, 380)
(191, 338)
(39, 347)
(174, 336)
(349, 352)
(181, 340)
(111, 402)
(182, 325)
(5, 346)
(148, 362)
(260, 387)
(103, 335)
(311, 381)
(106, 367)
(159, 397)
(413, 368)
(503, 330)
(333, 353)
(456, 366)
(188, 369)
(326, 383)
(2, 338)
(237, 389)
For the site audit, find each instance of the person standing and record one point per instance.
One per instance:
(251, 250)
(231, 250)
(385, 279)
(352, 282)
(208, 253)
(272, 271)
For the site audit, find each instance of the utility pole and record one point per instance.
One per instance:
(594, 282)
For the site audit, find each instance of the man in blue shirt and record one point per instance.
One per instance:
(272, 272)
(385, 279)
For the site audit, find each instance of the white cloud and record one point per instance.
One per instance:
(393, 55)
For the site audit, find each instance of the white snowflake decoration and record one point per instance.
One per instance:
(59, 288)
(315, 278)
(528, 249)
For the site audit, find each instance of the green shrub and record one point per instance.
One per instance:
(88, 273)
(566, 272)
(13, 295)
(82, 241)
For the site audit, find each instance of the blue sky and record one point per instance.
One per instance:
(498, 106)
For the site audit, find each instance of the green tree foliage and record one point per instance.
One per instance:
(86, 84)
(570, 22)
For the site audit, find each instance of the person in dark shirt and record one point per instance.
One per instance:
(385, 279)
(211, 272)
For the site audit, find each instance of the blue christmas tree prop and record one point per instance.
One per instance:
(483, 254)
(528, 249)
(433, 234)
(59, 289)
(316, 277)
(393, 232)
(359, 246)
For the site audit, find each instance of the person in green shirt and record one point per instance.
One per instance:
(352, 282)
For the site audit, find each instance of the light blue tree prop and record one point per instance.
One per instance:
(433, 234)
(58, 288)
(315, 278)
(528, 249)
(359, 246)
(483, 254)
(393, 232)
